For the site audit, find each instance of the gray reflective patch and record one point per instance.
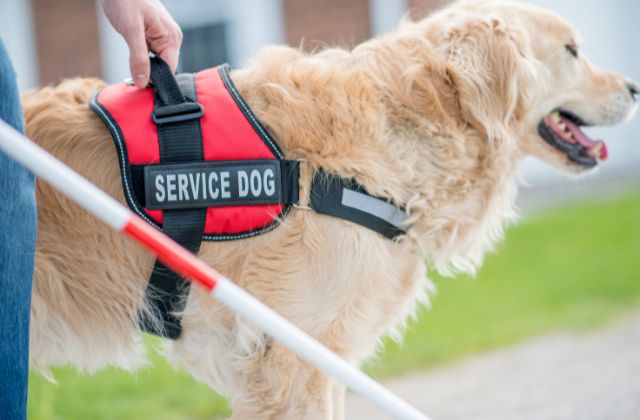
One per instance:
(374, 206)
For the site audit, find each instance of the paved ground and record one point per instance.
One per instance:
(572, 376)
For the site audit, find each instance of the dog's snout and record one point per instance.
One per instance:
(634, 90)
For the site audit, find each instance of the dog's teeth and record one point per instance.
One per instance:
(562, 126)
(556, 117)
(568, 136)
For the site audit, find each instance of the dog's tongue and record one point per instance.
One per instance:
(597, 148)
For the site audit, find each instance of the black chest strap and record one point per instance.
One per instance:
(177, 117)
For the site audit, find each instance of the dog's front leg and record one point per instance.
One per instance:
(281, 386)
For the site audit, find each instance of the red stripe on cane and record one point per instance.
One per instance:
(171, 254)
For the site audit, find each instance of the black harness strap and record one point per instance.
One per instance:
(177, 117)
(344, 198)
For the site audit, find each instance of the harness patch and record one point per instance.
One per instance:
(212, 184)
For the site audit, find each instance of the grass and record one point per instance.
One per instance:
(157, 393)
(573, 268)
(570, 268)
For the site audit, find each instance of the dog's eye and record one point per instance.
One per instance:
(573, 50)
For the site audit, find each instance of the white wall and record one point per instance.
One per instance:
(252, 25)
(16, 31)
(114, 52)
(386, 14)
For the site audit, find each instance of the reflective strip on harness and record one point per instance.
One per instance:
(375, 207)
(346, 199)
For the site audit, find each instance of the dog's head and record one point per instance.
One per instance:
(518, 73)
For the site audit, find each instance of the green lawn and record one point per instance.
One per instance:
(570, 268)
(156, 393)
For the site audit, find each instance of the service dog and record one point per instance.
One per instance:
(433, 117)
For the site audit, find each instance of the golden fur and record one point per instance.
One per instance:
(434, 116)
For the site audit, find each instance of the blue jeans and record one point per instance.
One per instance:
(17, 248)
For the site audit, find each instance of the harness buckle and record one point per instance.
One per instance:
(176, 113)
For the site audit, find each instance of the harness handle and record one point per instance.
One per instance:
(170, 105)
(164, 81)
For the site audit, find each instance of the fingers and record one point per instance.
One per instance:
(145, 25)
(167, 46)
(138, 56)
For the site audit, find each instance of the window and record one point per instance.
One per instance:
(203, 47)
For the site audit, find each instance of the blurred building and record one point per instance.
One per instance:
(53, 39)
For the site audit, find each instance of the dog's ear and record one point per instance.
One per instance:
(489, 69)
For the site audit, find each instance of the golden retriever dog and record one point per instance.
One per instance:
(434, 116)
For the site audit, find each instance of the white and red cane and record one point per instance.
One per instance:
(188, 265)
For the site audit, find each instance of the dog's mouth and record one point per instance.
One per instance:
(562, 130)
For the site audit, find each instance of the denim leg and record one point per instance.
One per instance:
(17, 248)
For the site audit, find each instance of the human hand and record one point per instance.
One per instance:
(146, 26)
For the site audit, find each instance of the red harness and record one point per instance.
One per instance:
(196, 163)
(230, 132)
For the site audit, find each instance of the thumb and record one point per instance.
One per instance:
(138, 57)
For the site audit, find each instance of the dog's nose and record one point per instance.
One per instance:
(634, 89)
